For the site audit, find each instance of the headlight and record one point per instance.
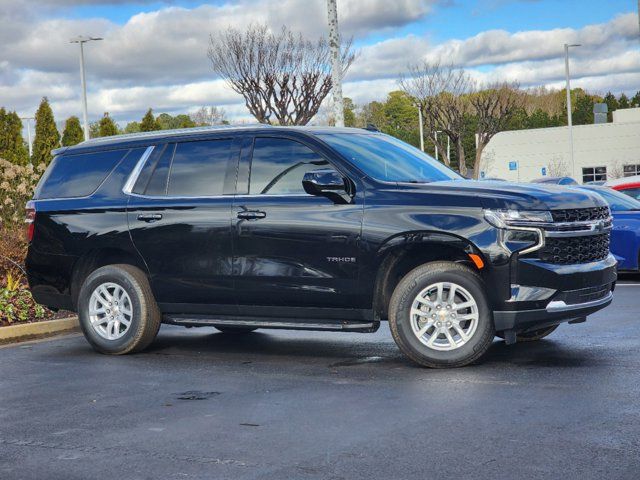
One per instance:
(517, 218)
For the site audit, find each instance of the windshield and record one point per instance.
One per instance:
(385, 158)
(618, 202)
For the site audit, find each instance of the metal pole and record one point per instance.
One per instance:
(436, 143)
(85, 115)
(421, 129)
(336, 63)
(29, 138)
(569, 119)
(449, 147)
(30, 142)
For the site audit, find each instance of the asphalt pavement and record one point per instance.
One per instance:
(306, 405)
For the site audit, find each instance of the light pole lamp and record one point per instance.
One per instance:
(81, 40)
(569, 119)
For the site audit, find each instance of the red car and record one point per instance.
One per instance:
(627, 185)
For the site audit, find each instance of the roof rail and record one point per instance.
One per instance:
(177, 131)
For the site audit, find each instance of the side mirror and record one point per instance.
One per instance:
(326, 183)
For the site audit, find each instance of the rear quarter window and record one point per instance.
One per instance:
(80, 175)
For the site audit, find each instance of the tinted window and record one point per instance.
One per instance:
(78, 175)
(632, 192)
(385, 158)
(158, 178)
(199, 168)
(278, 166)
(147, 169)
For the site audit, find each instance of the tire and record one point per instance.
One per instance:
(111, 335)
(450, 350)
(536, 334)
(235, 330)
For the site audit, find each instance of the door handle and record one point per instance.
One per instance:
(150, 217)
(251, 214)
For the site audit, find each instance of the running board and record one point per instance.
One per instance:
(258, 322)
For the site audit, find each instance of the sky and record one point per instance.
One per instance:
(154, 52)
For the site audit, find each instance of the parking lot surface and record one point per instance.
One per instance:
(306, 405)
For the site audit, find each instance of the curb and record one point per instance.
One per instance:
(30, 331)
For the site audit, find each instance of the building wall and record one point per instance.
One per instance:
(524, 155)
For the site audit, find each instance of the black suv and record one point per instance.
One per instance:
(309, 228)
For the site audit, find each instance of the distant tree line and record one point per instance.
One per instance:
(397, 115)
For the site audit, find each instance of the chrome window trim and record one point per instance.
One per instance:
(135, 173)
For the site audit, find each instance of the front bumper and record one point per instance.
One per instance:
(556, 311)
(575, 291)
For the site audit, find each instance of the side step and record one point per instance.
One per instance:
(261, 322)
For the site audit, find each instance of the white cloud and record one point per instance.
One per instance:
(158, 58)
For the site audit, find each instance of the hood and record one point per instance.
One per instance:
(519, 196)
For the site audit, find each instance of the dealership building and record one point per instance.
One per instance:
(602, 151)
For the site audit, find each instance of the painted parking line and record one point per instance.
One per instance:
(627, 284)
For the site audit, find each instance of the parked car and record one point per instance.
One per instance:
(625, 236)
(595, 182)
(627, 185)
(309, 228)
(556, 180)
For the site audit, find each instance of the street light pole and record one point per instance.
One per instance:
(81, 40)
(336, 63)
(28, 120)
(569, 119)
(421, 128)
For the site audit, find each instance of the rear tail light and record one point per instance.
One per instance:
(30, 220)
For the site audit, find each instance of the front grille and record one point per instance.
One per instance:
(571, 250)
(580, 214)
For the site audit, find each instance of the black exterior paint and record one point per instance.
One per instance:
(307, 256)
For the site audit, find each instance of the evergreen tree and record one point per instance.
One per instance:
(73, 133)
(12, 146)
(107, 127)
(623, 101)
(612, 104)
(47, 136)
(539, 119)
(94, 130)
(349, 112)
(132, 127)
(583, 110)
(149, 122)
(635, 101)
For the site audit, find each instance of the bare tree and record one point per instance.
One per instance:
(557, 167)
(494, 107)
(282, 76)
(209, 116)
(440, 92)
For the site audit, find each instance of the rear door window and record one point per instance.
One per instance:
(199, 168)
(155, 173)
(80, 175)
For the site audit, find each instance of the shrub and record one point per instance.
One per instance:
(16, 188)
(17, 305)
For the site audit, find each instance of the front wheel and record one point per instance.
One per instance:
(439, 315)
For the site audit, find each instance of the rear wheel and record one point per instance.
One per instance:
(117, 311)
(234, 330)
(439, 315)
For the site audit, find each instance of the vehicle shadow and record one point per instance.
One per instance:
(351, 350)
